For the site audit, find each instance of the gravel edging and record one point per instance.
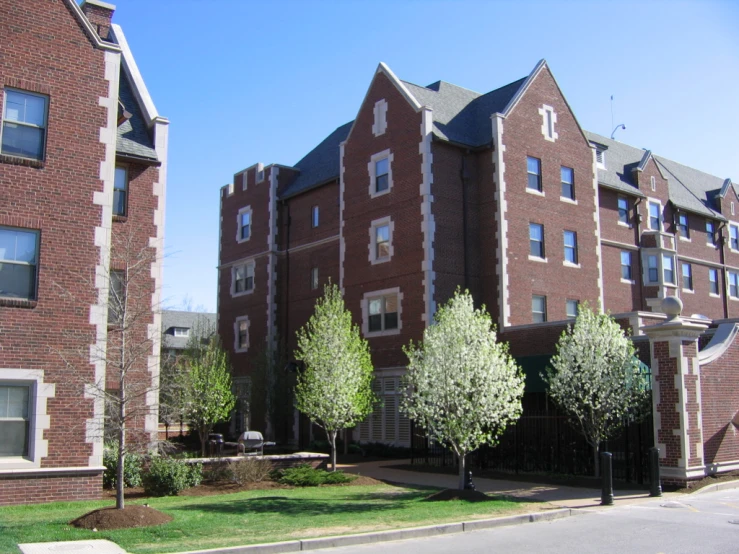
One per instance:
(390, 535)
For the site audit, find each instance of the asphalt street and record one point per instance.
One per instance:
(699, 523)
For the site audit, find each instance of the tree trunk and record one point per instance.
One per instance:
(596, 459)
(332, 437)
(461, 458)
(203, 434)
(120, 502)
(346, 441)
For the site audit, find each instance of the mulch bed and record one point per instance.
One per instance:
(133, 515)
(711, 480)
(456, 494)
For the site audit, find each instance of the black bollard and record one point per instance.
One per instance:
(468, 484)
(655, 487)
(606, 469)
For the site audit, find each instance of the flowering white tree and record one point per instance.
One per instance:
(596, 377)
(462, 385)
(335, 389)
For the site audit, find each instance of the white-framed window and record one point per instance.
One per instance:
(538, 308)
(314, 217)
(241, 334)
(733, 284)
(687, 271)
(23, 417)
(623, 210)
(568, 182)
(655, 216)
(24, 124)
(548, 119)
(710, 233)
(713, 281)
(683, 226)
(626, 266)
(116, 296)
(243, 224)
(181, 332)
(314, 278)
(19, 250)
(572, 308)
(570, 245)
(536, 241)
(668, 268)
(600, 158)
(381, 240)
(533, 169)
(652, 269)
(381, 173)
(120, 191)
(387, 423)
(381, 312)
(379, 124)
(734, 237)
(242, 278)
(653, 183)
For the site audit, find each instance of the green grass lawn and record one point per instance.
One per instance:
(250, 517)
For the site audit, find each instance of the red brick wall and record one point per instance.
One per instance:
(522, 137)
(488, 234)
(720, 402)
(45, 50)
(402, 203)
(24, 490)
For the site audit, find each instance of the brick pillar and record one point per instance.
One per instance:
(99, 14)
(676, 401)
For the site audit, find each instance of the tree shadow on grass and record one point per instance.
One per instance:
(297, 506)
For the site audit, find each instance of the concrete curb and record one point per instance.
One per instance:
(390, 535)
(717, 487)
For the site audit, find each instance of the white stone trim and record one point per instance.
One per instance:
(342, 241)
(242, 211)
(722, 339)
(504, 318)
(598, 240)
(238, 320)
(543, 112)
(379, 126)
(38, 447)
(365, 312)
(372, 169)
(720, 467)
(272, 262)
(251, 262)
(373, 259)
(103, 238)
(41, 472)
(88, 28)
(428, 223)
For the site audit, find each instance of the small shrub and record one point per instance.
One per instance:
(169, 476)
(250, 470)
(217, 472)
(306, 476)
(131, 467)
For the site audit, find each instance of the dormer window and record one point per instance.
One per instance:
(181, 332)
(600, 158)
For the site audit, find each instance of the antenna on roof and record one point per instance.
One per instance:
(617, 127)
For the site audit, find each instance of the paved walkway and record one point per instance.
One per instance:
(557, 495)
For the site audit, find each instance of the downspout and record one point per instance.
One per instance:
(464, 179)
(724, 276)
(637, 227)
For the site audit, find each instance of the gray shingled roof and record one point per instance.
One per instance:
(133, 135)
(462, 115)
(689, 189)
(320, 164)
(197, 322)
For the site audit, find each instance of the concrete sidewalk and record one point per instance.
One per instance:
(557, 495)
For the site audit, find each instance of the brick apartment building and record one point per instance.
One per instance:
(83, 161)
(503, 193)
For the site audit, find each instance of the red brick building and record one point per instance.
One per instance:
(83, 160)
(503, 193)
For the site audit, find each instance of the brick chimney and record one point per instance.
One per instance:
(99, 14)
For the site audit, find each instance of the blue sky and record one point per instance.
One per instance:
(245, 82)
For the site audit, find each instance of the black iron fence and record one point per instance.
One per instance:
(545, 441)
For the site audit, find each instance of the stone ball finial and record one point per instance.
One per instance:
(672, 306)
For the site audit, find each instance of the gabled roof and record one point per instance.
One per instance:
(689, 189)
(133, 134)
(197, 322)
(320, 165)
(461, 115)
